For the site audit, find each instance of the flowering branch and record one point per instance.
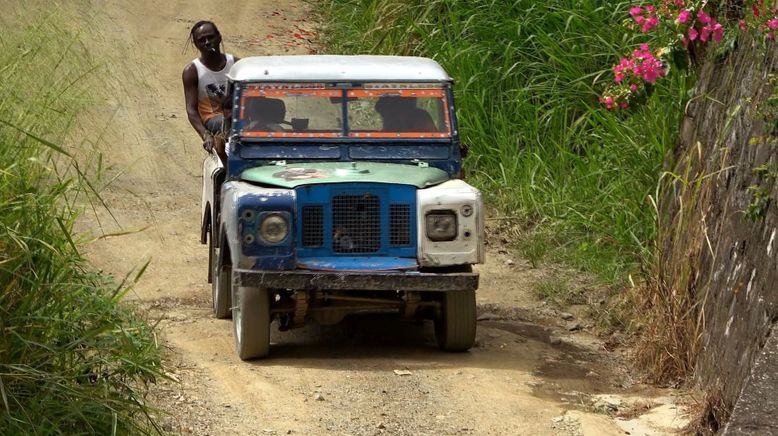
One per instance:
(674, 26)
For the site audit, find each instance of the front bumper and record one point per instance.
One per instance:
(367, 281)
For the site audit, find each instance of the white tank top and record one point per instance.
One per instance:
(211, 86)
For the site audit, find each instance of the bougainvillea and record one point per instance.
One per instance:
(673, 26)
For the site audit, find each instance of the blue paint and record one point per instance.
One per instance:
(368, 264)
(407, 150)
(275, 262)
(290, 151)
(321, 195)
(251, 208)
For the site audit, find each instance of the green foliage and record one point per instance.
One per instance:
(528, 75)
(757, 208)
(760, 195)
(534, 248)
(556, 290)
(72, 359)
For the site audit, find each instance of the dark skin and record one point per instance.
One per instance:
(207, 40)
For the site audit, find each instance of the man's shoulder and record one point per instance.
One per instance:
(190, 71)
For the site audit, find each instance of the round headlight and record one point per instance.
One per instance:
(273, 229)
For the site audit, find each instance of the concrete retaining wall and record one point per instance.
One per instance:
(720, 218)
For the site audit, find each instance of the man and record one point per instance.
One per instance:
(400, 114)
(205, 79)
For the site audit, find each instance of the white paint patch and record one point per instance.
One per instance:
(735, 272)
(729, 323)
(750, 282)
(770, 244)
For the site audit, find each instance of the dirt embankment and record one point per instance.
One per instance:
(533, 370)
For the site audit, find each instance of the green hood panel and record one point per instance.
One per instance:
(297, 174)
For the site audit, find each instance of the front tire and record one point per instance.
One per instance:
(251, 322)
(221, 285)
(456, 324)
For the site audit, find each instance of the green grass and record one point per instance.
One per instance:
(543, 150)
(73, 360)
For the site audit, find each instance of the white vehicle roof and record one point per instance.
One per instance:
(328, 68)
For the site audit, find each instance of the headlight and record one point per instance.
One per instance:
(441, 225)
(273, 228)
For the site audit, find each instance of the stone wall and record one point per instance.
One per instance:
(718, 217)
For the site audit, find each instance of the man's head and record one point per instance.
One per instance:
(206, 37)
(394, 105)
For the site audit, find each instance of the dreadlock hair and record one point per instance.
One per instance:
(190, 40)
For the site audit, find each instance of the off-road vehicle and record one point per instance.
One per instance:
(342, 194)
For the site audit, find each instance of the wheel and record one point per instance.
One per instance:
(221, 285)
(251, 322)
(455, 326)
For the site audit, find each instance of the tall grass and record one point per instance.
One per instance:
(528, 74)
(72, 359)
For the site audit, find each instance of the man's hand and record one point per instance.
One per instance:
(208, 142)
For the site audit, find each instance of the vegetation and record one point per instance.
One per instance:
(72, 359)
(576, 177)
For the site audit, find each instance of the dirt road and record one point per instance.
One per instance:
(527, 375)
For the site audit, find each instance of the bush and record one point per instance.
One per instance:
(72, 359)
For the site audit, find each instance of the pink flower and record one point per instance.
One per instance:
(773, 23)
(703, 17)
(644, 47)
(619, 69)
(623, 104)
(692, 34)
(683, 16)
(650, 23)
(640, 19)
(635, 10)
(608, 102)
(651, 9)
(679, 3)
(718, 32)
(771, 36)
(742, 25)
(712, 28)
(633, 88)
(704, 34)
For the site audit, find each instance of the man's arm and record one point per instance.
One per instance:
(189, 78)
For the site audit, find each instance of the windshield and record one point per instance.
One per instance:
(317, 111)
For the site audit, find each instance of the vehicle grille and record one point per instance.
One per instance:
(356, 224)
(399, 224)
(313, 226)
(353, 220)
